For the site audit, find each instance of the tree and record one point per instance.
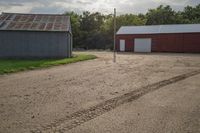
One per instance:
(161, 15)
(191, 14)
(75, 23)
(95, 30)
(90, 26)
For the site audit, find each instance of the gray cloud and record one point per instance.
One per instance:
(105, 6)
(15, 4)
(84, 2)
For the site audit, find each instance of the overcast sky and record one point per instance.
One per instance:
(104, 6)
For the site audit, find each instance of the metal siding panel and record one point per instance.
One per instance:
(70, 44)
(168, 42)
(63, 43)
(179, 42)
(191, 43)
(33, 44)
(68, 41)
(129, 44)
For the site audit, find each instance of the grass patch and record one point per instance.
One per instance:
(16, 65)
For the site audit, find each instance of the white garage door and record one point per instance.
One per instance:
(142, 45)
(122, 45)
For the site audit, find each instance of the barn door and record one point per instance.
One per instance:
(122, 45)
(142, 45)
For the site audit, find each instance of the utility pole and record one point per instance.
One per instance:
(114, 47)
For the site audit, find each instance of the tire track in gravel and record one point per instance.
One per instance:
(82, 116)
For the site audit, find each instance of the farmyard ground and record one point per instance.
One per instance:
(63, 98)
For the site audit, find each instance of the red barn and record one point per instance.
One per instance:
(159, 38)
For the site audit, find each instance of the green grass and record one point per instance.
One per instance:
(16, 65)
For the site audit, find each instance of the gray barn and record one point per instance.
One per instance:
(35, 36)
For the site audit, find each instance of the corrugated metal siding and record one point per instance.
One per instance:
(34, 44)
(165, 42)
(191, 42)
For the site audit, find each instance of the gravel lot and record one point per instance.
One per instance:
(45, 100)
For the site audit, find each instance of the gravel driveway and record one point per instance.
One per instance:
(45, 100)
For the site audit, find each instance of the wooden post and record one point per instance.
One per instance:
(114, 47)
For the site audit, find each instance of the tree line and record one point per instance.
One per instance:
(95, 30)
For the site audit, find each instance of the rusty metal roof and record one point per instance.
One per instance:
(34, 22)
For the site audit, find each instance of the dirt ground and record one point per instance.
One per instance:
(87, 97)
